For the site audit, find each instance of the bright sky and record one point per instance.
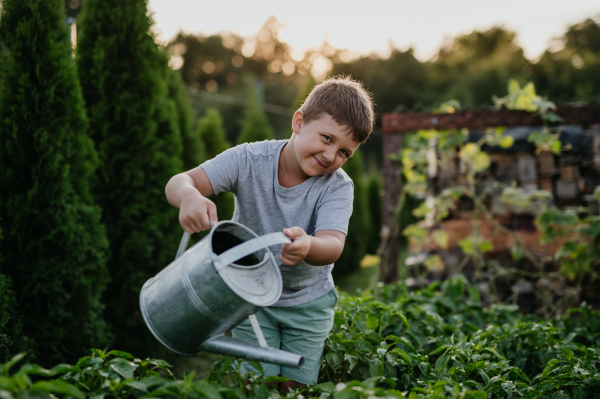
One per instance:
(367, 26)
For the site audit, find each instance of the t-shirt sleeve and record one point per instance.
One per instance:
(223, 170)
(335, 209)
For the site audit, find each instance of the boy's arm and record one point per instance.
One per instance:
(188, 191)
(324, 248)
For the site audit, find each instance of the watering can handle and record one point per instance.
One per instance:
(248, 247)
(239, 251)
(183, 244)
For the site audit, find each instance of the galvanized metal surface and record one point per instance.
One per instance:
(228, 346)
(212, 287)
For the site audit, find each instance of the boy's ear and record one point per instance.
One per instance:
(297, 121)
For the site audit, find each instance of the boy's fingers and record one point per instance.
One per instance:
(293, 232)
(204, 222)
(287, 261)
(212, 214)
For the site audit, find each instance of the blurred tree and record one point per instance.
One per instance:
(307, 86)
(134, 124)
(12, 338)
(355, 247)
(212, 134)
(397, 82)
(255, 125)
(221, 64)
(53, 246)
(584, 36)
(573, 72)
(193, 151)
(475, 66)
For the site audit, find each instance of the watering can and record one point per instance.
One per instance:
(212, 287)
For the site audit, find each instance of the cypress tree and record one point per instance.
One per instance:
(305, 89)
(355, 247)
(255, 125)
(12, 338)
(124, 79)
(212, 135)
(53, 246)
(193, 151)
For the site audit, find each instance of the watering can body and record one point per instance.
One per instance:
(211, 288)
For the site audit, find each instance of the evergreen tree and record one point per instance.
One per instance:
(355, 247)
(12, 338)
(53, 246)
(134, 123)
(192, 144)
(305, 89)
(255, 125)
(212, 135)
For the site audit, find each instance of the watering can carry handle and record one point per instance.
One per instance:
(248, 247)
(239, 251)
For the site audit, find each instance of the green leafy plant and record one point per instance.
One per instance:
(429, 152)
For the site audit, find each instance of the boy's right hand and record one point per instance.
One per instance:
(197, 213)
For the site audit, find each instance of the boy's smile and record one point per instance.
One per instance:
(318, 147)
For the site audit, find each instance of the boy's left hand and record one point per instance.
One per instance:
(294, 253)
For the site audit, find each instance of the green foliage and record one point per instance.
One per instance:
(255, 125)
(135, 125)
(428, 150)
(397, 82)
(434, 343)
(12, 339)
(355, 247)
(474, 66)
(53, 246)
(438, 342)
(580, 251)
(570, 74)
(442, 337)
(193, 151)
(212, 136)
(375, 205)
(307, 86)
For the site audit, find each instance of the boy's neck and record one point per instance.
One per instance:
(289, 172)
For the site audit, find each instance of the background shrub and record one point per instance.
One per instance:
(53, 246)
(136, 127)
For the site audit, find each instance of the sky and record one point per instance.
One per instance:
(372, 25)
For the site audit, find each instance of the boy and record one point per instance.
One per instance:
(297, 186)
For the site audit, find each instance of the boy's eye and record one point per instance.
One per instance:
(345, 153)
(327, 138)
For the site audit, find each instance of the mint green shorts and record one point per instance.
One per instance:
(300, 329)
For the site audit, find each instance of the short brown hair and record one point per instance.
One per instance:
(348, 103)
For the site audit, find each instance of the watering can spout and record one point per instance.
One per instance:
(225, 345)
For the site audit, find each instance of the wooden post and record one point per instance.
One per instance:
(392, 144)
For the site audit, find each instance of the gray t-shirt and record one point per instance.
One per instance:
(249, 171)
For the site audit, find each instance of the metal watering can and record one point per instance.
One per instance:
(212, 287)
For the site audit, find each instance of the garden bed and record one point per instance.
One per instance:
(432, 343)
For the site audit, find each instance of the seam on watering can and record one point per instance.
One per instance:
(187, 283)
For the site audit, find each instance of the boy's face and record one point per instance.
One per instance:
(321, 145)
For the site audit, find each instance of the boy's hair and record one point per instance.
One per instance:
(348, 103)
